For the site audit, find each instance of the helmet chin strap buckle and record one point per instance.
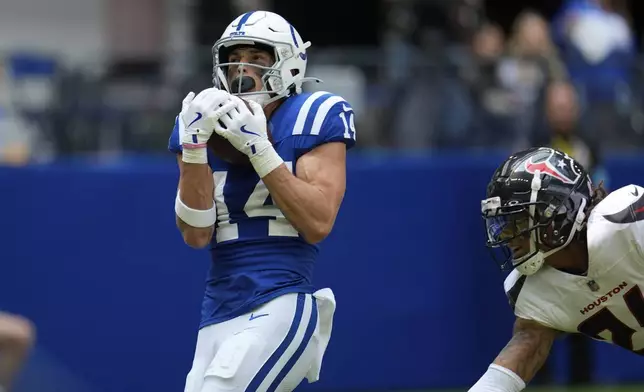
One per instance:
(532, 265)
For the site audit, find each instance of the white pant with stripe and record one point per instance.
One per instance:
(272, 348)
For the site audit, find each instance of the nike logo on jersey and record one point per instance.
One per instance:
(243, 129)
(199, 115)
(253, 316)
(635, 192)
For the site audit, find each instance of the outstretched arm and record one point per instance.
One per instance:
(519, 360)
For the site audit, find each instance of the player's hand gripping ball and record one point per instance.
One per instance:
(226, 151)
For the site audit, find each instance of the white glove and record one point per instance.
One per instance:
(197, 119)
(246, 131)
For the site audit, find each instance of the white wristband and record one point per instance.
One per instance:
(498, 379)
(195, 155)
(195, 218)
(266, 161)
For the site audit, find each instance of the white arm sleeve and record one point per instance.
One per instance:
(498, 379)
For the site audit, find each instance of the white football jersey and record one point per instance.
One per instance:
(608, 303)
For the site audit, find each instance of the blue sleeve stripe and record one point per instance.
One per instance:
(322, 112)
(303, 114)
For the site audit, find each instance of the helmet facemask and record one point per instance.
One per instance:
(272, 80)
(537, 228)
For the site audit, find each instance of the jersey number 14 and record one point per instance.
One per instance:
(238, 207)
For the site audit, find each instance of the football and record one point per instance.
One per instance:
(222, 148)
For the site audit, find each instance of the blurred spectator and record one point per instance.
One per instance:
(488, 46)
(488, 101)
(506, 80)
(531, 40)
(414, 39)
(598, 48)
(16, 136)
(410, 90)
(14, 141)
(562, 129)
(532, 62)
(456, 20)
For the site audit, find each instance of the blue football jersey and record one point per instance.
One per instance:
(257, 254)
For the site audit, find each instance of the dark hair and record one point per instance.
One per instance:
(599, 194)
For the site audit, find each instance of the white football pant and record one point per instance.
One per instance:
(272, 348)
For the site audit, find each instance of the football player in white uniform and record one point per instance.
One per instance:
(576, 255)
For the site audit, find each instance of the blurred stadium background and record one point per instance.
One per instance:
(442, 89)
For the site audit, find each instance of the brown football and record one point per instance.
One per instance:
(224, 150)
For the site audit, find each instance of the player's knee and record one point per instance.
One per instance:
(16, 333)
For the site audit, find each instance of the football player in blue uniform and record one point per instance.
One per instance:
(16, 338)
(264, 327)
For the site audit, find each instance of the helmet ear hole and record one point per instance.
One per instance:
(555, 229)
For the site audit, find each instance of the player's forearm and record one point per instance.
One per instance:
(196, 188)
(526, 352)
(303, 204)
(520, 360)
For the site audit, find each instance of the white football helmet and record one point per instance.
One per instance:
(273, 33)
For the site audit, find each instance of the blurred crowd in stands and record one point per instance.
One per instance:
(573, 81)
